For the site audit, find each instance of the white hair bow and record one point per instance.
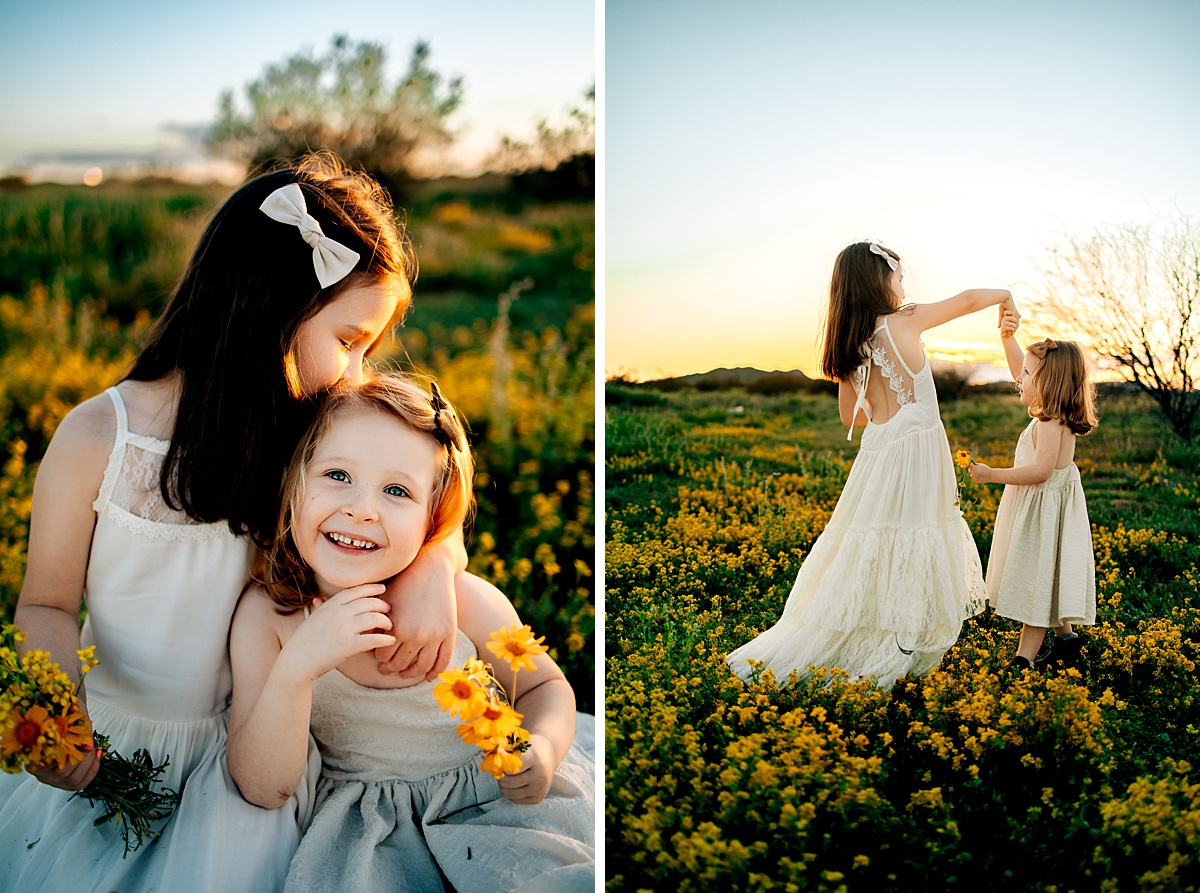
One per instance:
(331, 259)
(876, 248)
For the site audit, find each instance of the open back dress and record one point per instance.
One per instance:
(888, 583)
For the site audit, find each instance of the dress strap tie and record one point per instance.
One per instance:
(860, 379)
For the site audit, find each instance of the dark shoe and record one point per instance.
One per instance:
(1064, 651)
(1016, 665)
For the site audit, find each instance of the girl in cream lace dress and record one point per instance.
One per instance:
(888, 583)
(403, 804)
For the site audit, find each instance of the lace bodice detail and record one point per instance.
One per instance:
(130, 493)
(895, 377)
(905, 387)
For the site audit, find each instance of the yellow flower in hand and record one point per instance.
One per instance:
(962, 458)
(28, 736)
(497, 721)
(457, 693)
(517, 645)
(74, 731)
(500, 763)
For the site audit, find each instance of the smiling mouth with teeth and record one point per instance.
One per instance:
(343, 540)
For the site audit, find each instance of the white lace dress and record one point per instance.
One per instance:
(1042, 570)
(160, 594)
(403, 806)
(888, 583)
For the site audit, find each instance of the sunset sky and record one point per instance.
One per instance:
(747, 144)
(81, 76)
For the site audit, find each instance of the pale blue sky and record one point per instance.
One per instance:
(747, 144)
(84, 74)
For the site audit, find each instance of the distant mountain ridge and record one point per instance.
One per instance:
(740, 376)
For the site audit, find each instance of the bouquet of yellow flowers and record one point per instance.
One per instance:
(43, 727)
(489, 719)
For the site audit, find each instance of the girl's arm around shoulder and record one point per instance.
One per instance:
(425, 611)
(928, 316)
(1048, 441)
(544, 697)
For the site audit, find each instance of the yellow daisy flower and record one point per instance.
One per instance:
(497, 721)
(28, 736)
(517, 645)
(456, 693)
(500, 763)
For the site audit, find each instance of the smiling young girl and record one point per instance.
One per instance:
(383, 474)
(1042, 570)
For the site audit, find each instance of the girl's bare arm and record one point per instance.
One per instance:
(1045, 453)
(267, 747)
(928, 316)
(60, 538)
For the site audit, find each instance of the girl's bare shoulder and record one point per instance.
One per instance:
(257, 610)
(87, 432)
(151, 405)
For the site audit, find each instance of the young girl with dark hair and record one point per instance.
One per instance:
(148, 506)
(888, 583)
(403, 803)
(1042, 570)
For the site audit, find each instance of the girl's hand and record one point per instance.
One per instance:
(980, 473)
(73, 778)
(531, 783)
(1008, 305)
(1009, 323)
(349, 623)
(426, 611)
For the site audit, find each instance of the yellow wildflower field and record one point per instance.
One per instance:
(963, 779)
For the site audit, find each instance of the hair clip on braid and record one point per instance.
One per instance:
(440, 434)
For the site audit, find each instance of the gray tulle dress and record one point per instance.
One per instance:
(403, 806)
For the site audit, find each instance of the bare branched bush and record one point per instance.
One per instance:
(1132, 294)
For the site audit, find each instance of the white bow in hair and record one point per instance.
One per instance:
(331, 259)
(876, 248)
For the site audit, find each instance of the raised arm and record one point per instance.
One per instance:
(60, 537)
(1013, 353)
(1049, 437)
(928, 316)
(544, 696)
(425, 611)
(267, 747)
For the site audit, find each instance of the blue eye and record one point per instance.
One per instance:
(396, 490)
(338, 475)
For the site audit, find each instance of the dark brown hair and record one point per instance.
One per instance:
(234, 317)
(287, 579)
(860, 291)
(1064, 391)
